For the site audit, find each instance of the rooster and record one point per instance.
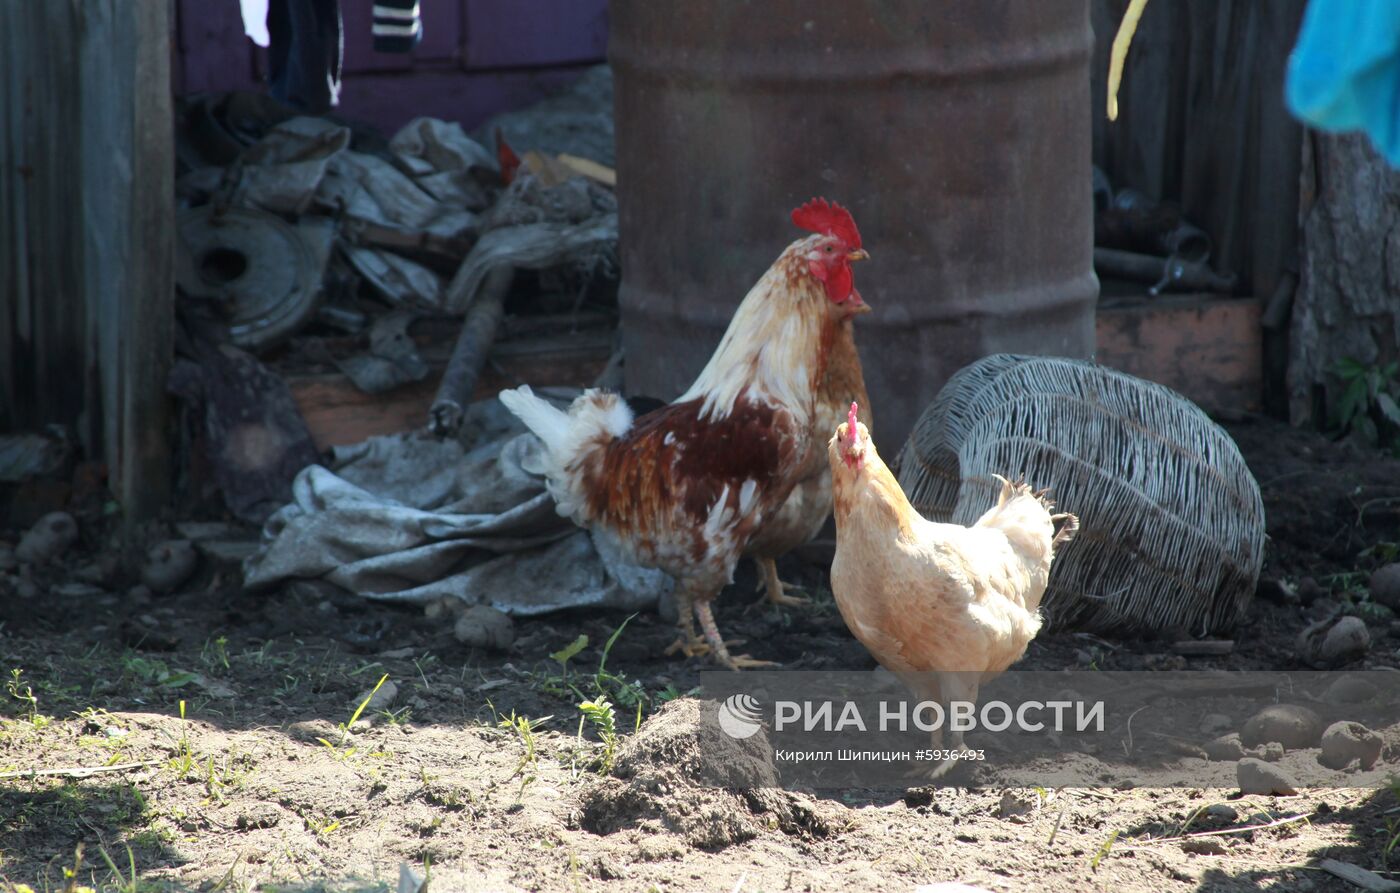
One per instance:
(942, 606)
(809, 504)
(685, 487)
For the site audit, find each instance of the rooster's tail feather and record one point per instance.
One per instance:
(593, 420)
(549, 424)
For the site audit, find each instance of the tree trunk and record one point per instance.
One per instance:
(1348, 301)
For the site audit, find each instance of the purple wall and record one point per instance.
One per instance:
(477, 57)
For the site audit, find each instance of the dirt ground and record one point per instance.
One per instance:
(219, 723)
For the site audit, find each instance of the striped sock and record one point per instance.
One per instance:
(397, 26)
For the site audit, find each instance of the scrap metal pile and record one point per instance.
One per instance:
(308, 245)
(1139, 240)
(301, 236)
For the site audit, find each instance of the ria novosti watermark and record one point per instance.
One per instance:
(1086, 728)
(932, 716)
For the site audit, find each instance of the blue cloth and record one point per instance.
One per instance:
(1344, 74)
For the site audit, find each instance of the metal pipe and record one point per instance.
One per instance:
(479, 328)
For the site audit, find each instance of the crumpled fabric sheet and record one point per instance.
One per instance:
(1344, 72)
(410, 518)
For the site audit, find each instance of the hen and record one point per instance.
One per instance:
(942, 606)
(685, 487)
(809, 504)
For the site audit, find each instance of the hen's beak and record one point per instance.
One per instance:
(858, 254)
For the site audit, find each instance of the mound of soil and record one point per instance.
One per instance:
(683, 774)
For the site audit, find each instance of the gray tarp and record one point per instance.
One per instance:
(410, 518)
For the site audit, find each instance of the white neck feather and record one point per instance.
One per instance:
(772, 345)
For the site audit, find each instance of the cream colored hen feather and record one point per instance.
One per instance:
(942, 605)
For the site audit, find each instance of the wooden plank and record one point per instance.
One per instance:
(1355, 874)
(148, 317)
(45, 374)
(1202, 122)
(12, 253)
(1207, 349)
(337, 413)
(107, 81)
(87, 288)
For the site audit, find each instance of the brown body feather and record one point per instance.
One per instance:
(658, 486)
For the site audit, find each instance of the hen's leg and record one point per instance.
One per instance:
(689, 644)
(721, 652)
(775, 588)
(957, 687)
(944, 689)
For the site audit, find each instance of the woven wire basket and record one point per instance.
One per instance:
(1171, 532)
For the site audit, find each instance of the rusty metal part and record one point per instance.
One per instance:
(469, 356)
(1151, 229)
(263, 272)
(1165, 273)
(957, 133)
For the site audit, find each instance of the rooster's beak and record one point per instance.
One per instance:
(858, 254)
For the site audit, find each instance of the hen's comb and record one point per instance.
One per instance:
(506, 158)
(851, 424)
(821, 216)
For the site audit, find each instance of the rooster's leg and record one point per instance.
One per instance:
(721, 652)
(775, 588)
(689, 644)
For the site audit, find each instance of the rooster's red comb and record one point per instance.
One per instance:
(851, 424)
(821, 216)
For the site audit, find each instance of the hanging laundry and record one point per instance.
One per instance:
(305, 53)
(1344, 73)
(255, 21)
(397, 26)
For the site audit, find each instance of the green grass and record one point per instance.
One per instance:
(339, 748)
(524, 730)
(183, 762)
(603, 718)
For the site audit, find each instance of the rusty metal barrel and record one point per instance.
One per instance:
(957, 132)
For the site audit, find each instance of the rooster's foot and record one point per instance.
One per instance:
(744, 662)
(782, 599)
(720, 648)
(693, 647)
(776, 590)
